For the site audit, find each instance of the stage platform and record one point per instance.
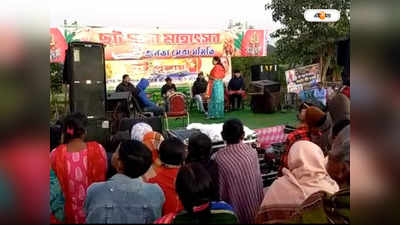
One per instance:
(250, 119)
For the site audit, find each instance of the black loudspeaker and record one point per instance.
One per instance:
(343, 59)
(155, 122)
(97, 132)
(264, 72)
(268, 98)
(84, 71)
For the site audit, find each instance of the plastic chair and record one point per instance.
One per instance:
(177, 108)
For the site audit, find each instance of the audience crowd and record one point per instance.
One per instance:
(163, 180)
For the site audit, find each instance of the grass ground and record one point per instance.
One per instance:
(250, 119)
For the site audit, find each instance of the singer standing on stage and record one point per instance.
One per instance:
(216, 90)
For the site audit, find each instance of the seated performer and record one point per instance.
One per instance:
(198, 90)
(126, 85)
(166, 91)
(235, 88)
(147, 105)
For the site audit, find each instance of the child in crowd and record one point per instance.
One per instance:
(172, 155)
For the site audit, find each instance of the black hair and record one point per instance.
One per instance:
(305, 105)
(74, 126)
(218, 59)
(124, 76)
(201, 73)
(135, 157)
(199, 148)
(194, 187)
(232, 131)
(172, 151)
(236, 71)
(168, 79)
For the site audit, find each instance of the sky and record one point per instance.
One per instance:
(186, 15)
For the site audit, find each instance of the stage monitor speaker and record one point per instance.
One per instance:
(264, 72)
(84, 71)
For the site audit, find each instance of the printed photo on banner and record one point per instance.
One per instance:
(302, 78)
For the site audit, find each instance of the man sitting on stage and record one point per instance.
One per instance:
(235, 88)
(198, 90)
(167, 90)
(126, 85)
(145, 102)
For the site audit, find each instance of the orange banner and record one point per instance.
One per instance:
(129, 44)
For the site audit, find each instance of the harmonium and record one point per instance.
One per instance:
(265, 96)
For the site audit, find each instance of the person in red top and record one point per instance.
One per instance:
(216, 90)
(346, 91)
(172, 155)
(311, 129)
(77, 165)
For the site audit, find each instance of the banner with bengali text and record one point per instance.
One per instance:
(128, 44)
(156, 55)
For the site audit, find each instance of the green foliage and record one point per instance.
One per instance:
(301, 42)
(238, 40)
(56, 78)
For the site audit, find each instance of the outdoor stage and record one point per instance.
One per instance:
(250, 119)
(269, 127)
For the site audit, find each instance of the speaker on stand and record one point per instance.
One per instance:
(84, 71)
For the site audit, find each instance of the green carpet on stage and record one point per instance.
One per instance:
(250, 119)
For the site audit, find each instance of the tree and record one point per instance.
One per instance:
(301, 42)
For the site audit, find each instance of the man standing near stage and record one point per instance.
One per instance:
(126, 85)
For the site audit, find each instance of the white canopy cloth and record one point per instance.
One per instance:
(214, 130)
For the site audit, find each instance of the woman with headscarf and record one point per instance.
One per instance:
(305, 175)
(139, 130)
(216, 89)
(153, 140)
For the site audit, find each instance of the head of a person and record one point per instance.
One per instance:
(139, 130)
(132, 158)
(153, 140)
(306, 159)
(74, 127)
(236, 73)
(168, 80)
(172, 151)
(216, 60)
(200, 75)
(233, 131)
(125, 78)
(339, 108)
(143, 84)
(194, 186)
(320, 125)
(302, 111)
(199, 149)
(338, 165)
